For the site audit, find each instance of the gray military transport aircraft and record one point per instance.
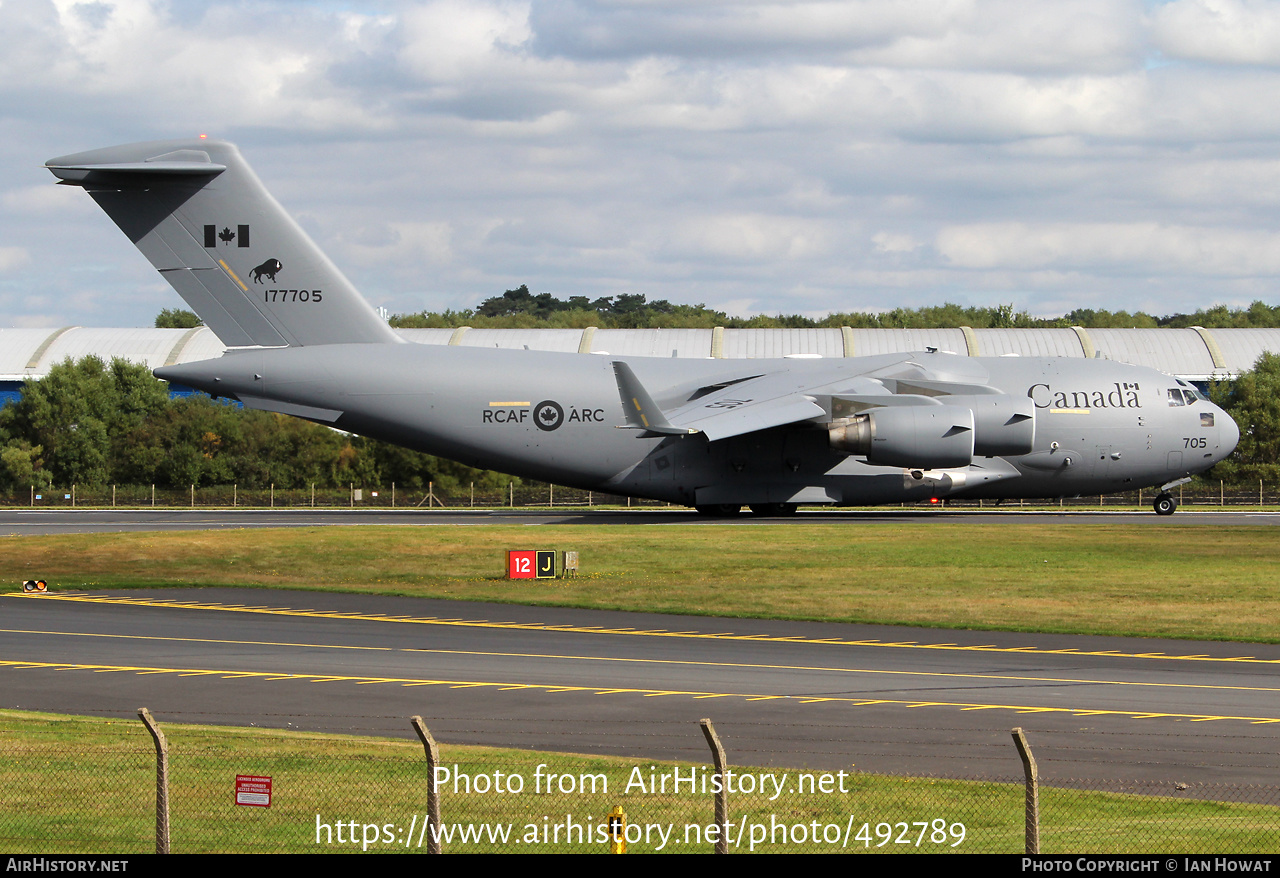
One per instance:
(713, 434)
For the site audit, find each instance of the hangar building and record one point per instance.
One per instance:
(1197, 354)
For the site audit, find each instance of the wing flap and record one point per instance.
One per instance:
(750, 417)
(738, 407)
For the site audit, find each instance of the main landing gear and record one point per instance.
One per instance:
(1164, 504)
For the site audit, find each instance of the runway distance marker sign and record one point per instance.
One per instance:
(531, 564)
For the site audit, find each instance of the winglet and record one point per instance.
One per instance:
(641, 411)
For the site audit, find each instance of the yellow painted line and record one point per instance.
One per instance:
(228, 270)
(568, 628)
(647, 693)
(834, 669)
(200, 640)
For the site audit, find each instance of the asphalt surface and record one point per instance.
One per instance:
(45, 521)
(827, 696)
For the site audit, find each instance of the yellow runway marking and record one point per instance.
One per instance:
(599, 690)
(834, 669)
(200, 640)
(657, 632)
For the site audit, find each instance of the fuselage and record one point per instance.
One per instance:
(1099, 426)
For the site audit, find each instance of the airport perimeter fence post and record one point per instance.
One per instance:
(722, 794)
(162, 780)
(433, 800)
(1033, 790)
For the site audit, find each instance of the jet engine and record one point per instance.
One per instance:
(938, 436)
(1003, 424)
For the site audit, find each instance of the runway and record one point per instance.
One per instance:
(16, 522)
(820, 695)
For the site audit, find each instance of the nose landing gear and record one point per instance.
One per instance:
(1164, 504)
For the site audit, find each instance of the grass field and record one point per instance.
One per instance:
(1170, 580)
(81, 785)
(84, 785)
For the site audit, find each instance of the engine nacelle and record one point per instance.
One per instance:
(923, 436)
(1003, 424)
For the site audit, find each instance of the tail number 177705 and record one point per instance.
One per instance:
(291, 295)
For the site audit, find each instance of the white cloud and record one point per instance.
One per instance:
(1219, 31)
(747, 237)
(974, 34)
(49, 201)
(796, 155)
(1127, 248)
(13, 257)
(421, 243)
(888, 242)
(452, 40)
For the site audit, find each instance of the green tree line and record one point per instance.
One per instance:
(521, 309)
(1253, 400)
(89, 423)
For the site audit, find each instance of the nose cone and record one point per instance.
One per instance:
(1228, 435)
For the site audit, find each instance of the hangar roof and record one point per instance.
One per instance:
(1195, 354)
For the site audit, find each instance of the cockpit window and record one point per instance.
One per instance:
(1175, 397)
(1206, 419)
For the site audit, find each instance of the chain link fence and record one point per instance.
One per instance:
(513, 495)
(89, 786)
(527, 495)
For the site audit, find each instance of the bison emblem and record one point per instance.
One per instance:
(269, 268)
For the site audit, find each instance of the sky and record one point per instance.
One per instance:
(759, 156)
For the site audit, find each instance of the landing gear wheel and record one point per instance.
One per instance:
(1164, 504)
(773, 510)
(719, 510)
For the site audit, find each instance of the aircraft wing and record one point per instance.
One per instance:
(775, 399)
(758, 404)
(745, 406)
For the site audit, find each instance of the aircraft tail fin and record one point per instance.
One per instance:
(201, 216)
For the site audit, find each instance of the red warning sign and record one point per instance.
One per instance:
(253, 790)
